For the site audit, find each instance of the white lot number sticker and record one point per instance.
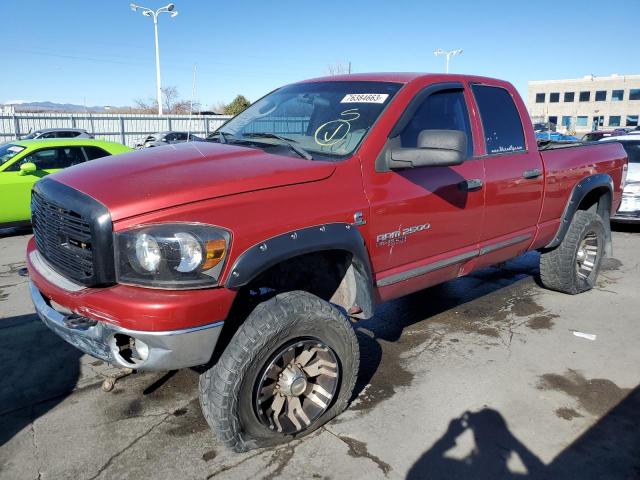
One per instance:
(365, 98)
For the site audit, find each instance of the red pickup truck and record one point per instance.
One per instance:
(249, 253)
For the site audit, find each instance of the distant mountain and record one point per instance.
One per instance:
(60, 107)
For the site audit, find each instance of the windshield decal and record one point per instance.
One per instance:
(335, 131)
(365, 98)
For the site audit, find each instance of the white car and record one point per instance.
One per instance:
(57, 133)
(160, 139)
(629, 211)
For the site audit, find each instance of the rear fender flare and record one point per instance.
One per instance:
(578, 194)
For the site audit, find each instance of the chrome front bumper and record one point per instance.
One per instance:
(166, 350)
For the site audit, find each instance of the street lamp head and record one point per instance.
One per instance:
(438, 52)
(170, 7)
(133, 6)
(173, 14)
(457, 52)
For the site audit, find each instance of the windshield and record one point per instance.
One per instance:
(8, 151)
(633, 151)
(32, 135)
(326, 119)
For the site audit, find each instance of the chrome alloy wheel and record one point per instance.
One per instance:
(587, 255)
(297, 386)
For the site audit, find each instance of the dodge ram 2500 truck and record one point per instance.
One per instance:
(248, 254)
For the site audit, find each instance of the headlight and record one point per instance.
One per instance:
(171, 256)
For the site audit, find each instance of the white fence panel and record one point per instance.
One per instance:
(122, 128)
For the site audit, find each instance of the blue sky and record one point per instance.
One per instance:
(101, 53)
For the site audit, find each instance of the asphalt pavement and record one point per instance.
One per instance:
(488, 376)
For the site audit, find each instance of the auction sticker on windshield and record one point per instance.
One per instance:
(365, 98)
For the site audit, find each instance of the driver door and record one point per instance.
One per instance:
(426, 222)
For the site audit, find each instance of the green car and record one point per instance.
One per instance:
(23, 162)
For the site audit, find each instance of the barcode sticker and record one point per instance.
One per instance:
(365, 98)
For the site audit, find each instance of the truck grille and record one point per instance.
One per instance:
(63, 237)
(73, 233)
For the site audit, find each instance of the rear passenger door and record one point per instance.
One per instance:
(514, 176)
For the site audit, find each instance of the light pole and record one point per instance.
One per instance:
(448, 53)
(147, 12)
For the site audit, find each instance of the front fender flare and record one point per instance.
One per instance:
(332, 236)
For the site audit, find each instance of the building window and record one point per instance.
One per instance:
(553, 120)
(540, 97)
(617, 95)
(634, 94)
(614, 121)
(582, 121)
(632, 120)
(554, 97)
(601, 96)
(585, 96)
(568, 96)
(566, 121)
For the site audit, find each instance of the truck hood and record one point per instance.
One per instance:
(146, 180)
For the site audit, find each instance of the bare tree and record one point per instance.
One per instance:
(145, 106)
(169, 98)
(171, 103)
(218, 107)
(339, 68)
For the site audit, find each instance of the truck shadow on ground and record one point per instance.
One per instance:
(401, 324)
(38, 370)
(609, 449)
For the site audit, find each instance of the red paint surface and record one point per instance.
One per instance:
(258, 195)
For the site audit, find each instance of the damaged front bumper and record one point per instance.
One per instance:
(141, 350)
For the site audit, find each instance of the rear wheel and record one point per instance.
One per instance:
(289, 369)
(573, 266)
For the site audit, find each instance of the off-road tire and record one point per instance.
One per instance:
(558, 266)
(226, 389)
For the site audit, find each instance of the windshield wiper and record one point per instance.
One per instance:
(287, 141)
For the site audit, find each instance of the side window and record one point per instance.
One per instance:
(181, 136)
(444, 110)
(170, 137)
(500, 120)
(95, 152)
(52, 158)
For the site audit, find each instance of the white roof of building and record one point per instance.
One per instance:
(593, 78)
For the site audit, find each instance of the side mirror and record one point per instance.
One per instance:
(27, 168)
(436, 148)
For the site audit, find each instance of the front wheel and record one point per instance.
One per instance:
(573, 266)
(290, 368)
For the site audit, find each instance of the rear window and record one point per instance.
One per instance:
(633, 151)
(95, 152)
(500, 120)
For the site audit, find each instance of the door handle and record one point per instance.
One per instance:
(470, 185)
(534, 173)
